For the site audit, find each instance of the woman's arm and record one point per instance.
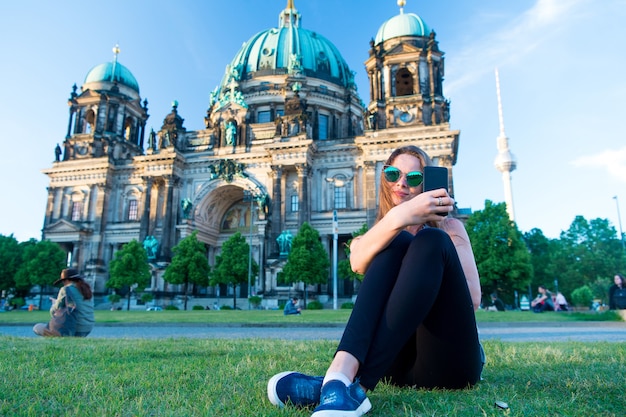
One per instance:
(363, 248)
(458, 234)
(59, 302)
(417, 211)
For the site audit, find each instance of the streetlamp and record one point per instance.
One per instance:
(335, 231)
(619, 220)
(249, 196)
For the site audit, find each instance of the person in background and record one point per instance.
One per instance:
(617, 293)
(292, 307)
(413, 323)
(543, 301)
(80, 295)
(560, 303)
(496, 303)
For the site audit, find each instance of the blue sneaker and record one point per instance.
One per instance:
(341, 401)
(298, 389)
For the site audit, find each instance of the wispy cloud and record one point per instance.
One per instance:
(514, 42)
(614, 161)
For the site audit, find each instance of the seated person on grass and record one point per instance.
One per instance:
(292, 307)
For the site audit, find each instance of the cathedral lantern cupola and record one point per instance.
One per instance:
(405, 70)
(172, 133)
(107, 116)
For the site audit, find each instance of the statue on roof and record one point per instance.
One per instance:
(152, 141)
(295, 64)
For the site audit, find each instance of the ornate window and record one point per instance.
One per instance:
(295, 203)
(90, 121)
(322, 121)
(340, 198)
(77, 210)
(128, 126)
(264, 116)
(111, 116)
(404, 83)
(133, 209)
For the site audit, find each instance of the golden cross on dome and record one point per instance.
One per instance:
(401, 4)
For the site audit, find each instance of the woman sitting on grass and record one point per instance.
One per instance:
(413, 323)
(75, 292)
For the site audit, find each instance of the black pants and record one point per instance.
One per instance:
(413, 322)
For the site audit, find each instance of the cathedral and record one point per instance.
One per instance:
(287, 140)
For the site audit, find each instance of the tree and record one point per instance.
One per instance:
(114, 299)
(42, 265)
(502, 257)
(582, 296)
(10, 257)
(542, 254)
(129, 268)
(189, 264)
(22, 284)
(587, 252)
(308, 261)
(344, 269)
(231, 266)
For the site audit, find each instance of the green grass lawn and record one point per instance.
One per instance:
(217, 377)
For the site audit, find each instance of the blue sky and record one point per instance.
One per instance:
(561, 65)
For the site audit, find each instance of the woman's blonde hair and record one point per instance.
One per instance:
(385, 202)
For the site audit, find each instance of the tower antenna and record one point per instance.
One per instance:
(505, 161)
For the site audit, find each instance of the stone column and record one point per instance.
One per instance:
(261, 255)
(386, 76)
(66, 203)
(276, 216)
(49, 207)
(145, 202)
(429, 59)
(170, 213)
(303, 190)
(370, 192)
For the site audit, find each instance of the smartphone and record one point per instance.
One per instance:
(435, 178)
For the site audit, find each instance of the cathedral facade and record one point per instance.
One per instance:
(287, 140)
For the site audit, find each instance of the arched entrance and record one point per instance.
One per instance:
(221, 210)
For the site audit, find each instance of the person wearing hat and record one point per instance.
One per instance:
(78, 293)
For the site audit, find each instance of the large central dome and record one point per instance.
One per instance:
(290, 49)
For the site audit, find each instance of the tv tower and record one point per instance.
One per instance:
(505, 161)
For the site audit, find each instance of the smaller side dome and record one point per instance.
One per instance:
(404, 24)
(112, 72)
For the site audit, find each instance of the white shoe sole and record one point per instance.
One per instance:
(365, 406)
(271, 388)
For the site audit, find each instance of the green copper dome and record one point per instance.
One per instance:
(290, 49)
(404, 24)
(112, 72)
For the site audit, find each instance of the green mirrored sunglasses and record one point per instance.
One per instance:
(393, 174)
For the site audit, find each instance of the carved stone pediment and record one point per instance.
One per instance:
(403, 48)
(63, 226)
(65, 231)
